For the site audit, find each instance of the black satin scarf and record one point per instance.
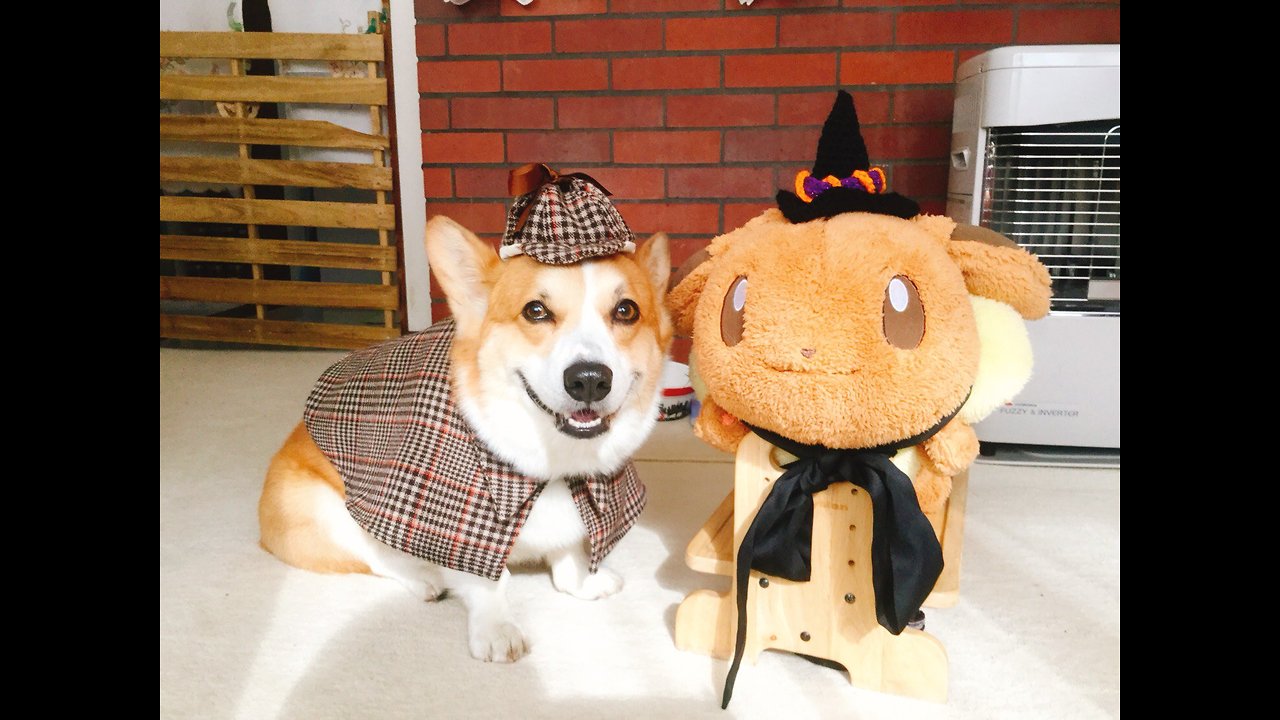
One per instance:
(906, 558)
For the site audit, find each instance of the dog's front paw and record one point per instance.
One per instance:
(602, 584)
(497, 642)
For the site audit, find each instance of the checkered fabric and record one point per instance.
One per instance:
(417, 477)
(571, 220)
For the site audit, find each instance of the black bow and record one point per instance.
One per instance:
(906, 558)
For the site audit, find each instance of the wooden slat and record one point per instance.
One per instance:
(278, 252)
(278, 292)
(311, 133)
(274, 172)
(277, 212)
(279, 46)
(273, 332)
(352, 91)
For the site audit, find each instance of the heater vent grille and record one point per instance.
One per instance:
(1055, 190)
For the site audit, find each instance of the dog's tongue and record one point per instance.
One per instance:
(586, 423)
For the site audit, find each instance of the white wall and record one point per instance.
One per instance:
(413, 206)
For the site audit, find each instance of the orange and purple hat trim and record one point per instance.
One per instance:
(809, 187)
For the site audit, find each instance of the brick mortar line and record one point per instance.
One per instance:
(692, 14)
(779, 12)
(727, 52)
(713, 91)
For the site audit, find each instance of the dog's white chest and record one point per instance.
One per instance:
(553, 524)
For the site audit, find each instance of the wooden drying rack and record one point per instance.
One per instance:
(235, 95)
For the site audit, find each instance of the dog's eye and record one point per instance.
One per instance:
(903, 314)
(535, 311)
(626, 312)
(735, 303)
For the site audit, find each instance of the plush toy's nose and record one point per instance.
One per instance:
(808, 352)
(588, 382)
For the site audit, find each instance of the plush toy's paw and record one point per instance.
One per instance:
(932, 489)
(497, 641)
(952, 449)
(718, 428)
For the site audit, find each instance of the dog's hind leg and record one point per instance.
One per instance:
(304, 521)
(294, 512)
(422, 578)
(491, 632)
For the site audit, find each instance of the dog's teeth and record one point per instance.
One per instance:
(583, 425)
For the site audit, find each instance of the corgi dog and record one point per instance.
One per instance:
(554, 372)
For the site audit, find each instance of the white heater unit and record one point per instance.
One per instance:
(1035, 155)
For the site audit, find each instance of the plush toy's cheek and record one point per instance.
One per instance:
(731, 312)
(1005, 359)
(903, 314)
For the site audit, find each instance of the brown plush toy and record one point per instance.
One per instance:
(861, 339)
(859, 328)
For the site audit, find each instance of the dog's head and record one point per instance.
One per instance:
(556, 367)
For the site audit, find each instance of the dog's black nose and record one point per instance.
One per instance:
(588, 382)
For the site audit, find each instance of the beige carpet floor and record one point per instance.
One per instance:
(1036, 633)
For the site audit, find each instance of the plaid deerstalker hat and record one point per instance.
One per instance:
(562, 219)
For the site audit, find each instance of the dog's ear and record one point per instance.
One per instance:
(655, 257)
(464, 266)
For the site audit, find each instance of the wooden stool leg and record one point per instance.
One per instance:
(705, 622)
(915, 664)
(946, 593)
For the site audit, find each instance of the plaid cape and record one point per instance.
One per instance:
(417, 477)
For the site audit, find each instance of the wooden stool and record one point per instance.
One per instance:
(833, 615)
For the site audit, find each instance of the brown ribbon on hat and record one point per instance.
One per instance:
(531, 177)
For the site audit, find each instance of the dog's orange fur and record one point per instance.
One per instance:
(299, 479)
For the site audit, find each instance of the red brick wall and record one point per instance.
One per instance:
(694, 112)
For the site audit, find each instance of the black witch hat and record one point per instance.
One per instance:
(842, 179)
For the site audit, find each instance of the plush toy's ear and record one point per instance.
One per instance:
(995, 267)
(686, 287)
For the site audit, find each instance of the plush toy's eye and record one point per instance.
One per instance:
(536, 312)
(735, 300)
(903, 314)
(626, 312)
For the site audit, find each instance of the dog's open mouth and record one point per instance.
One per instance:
(583, 423)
